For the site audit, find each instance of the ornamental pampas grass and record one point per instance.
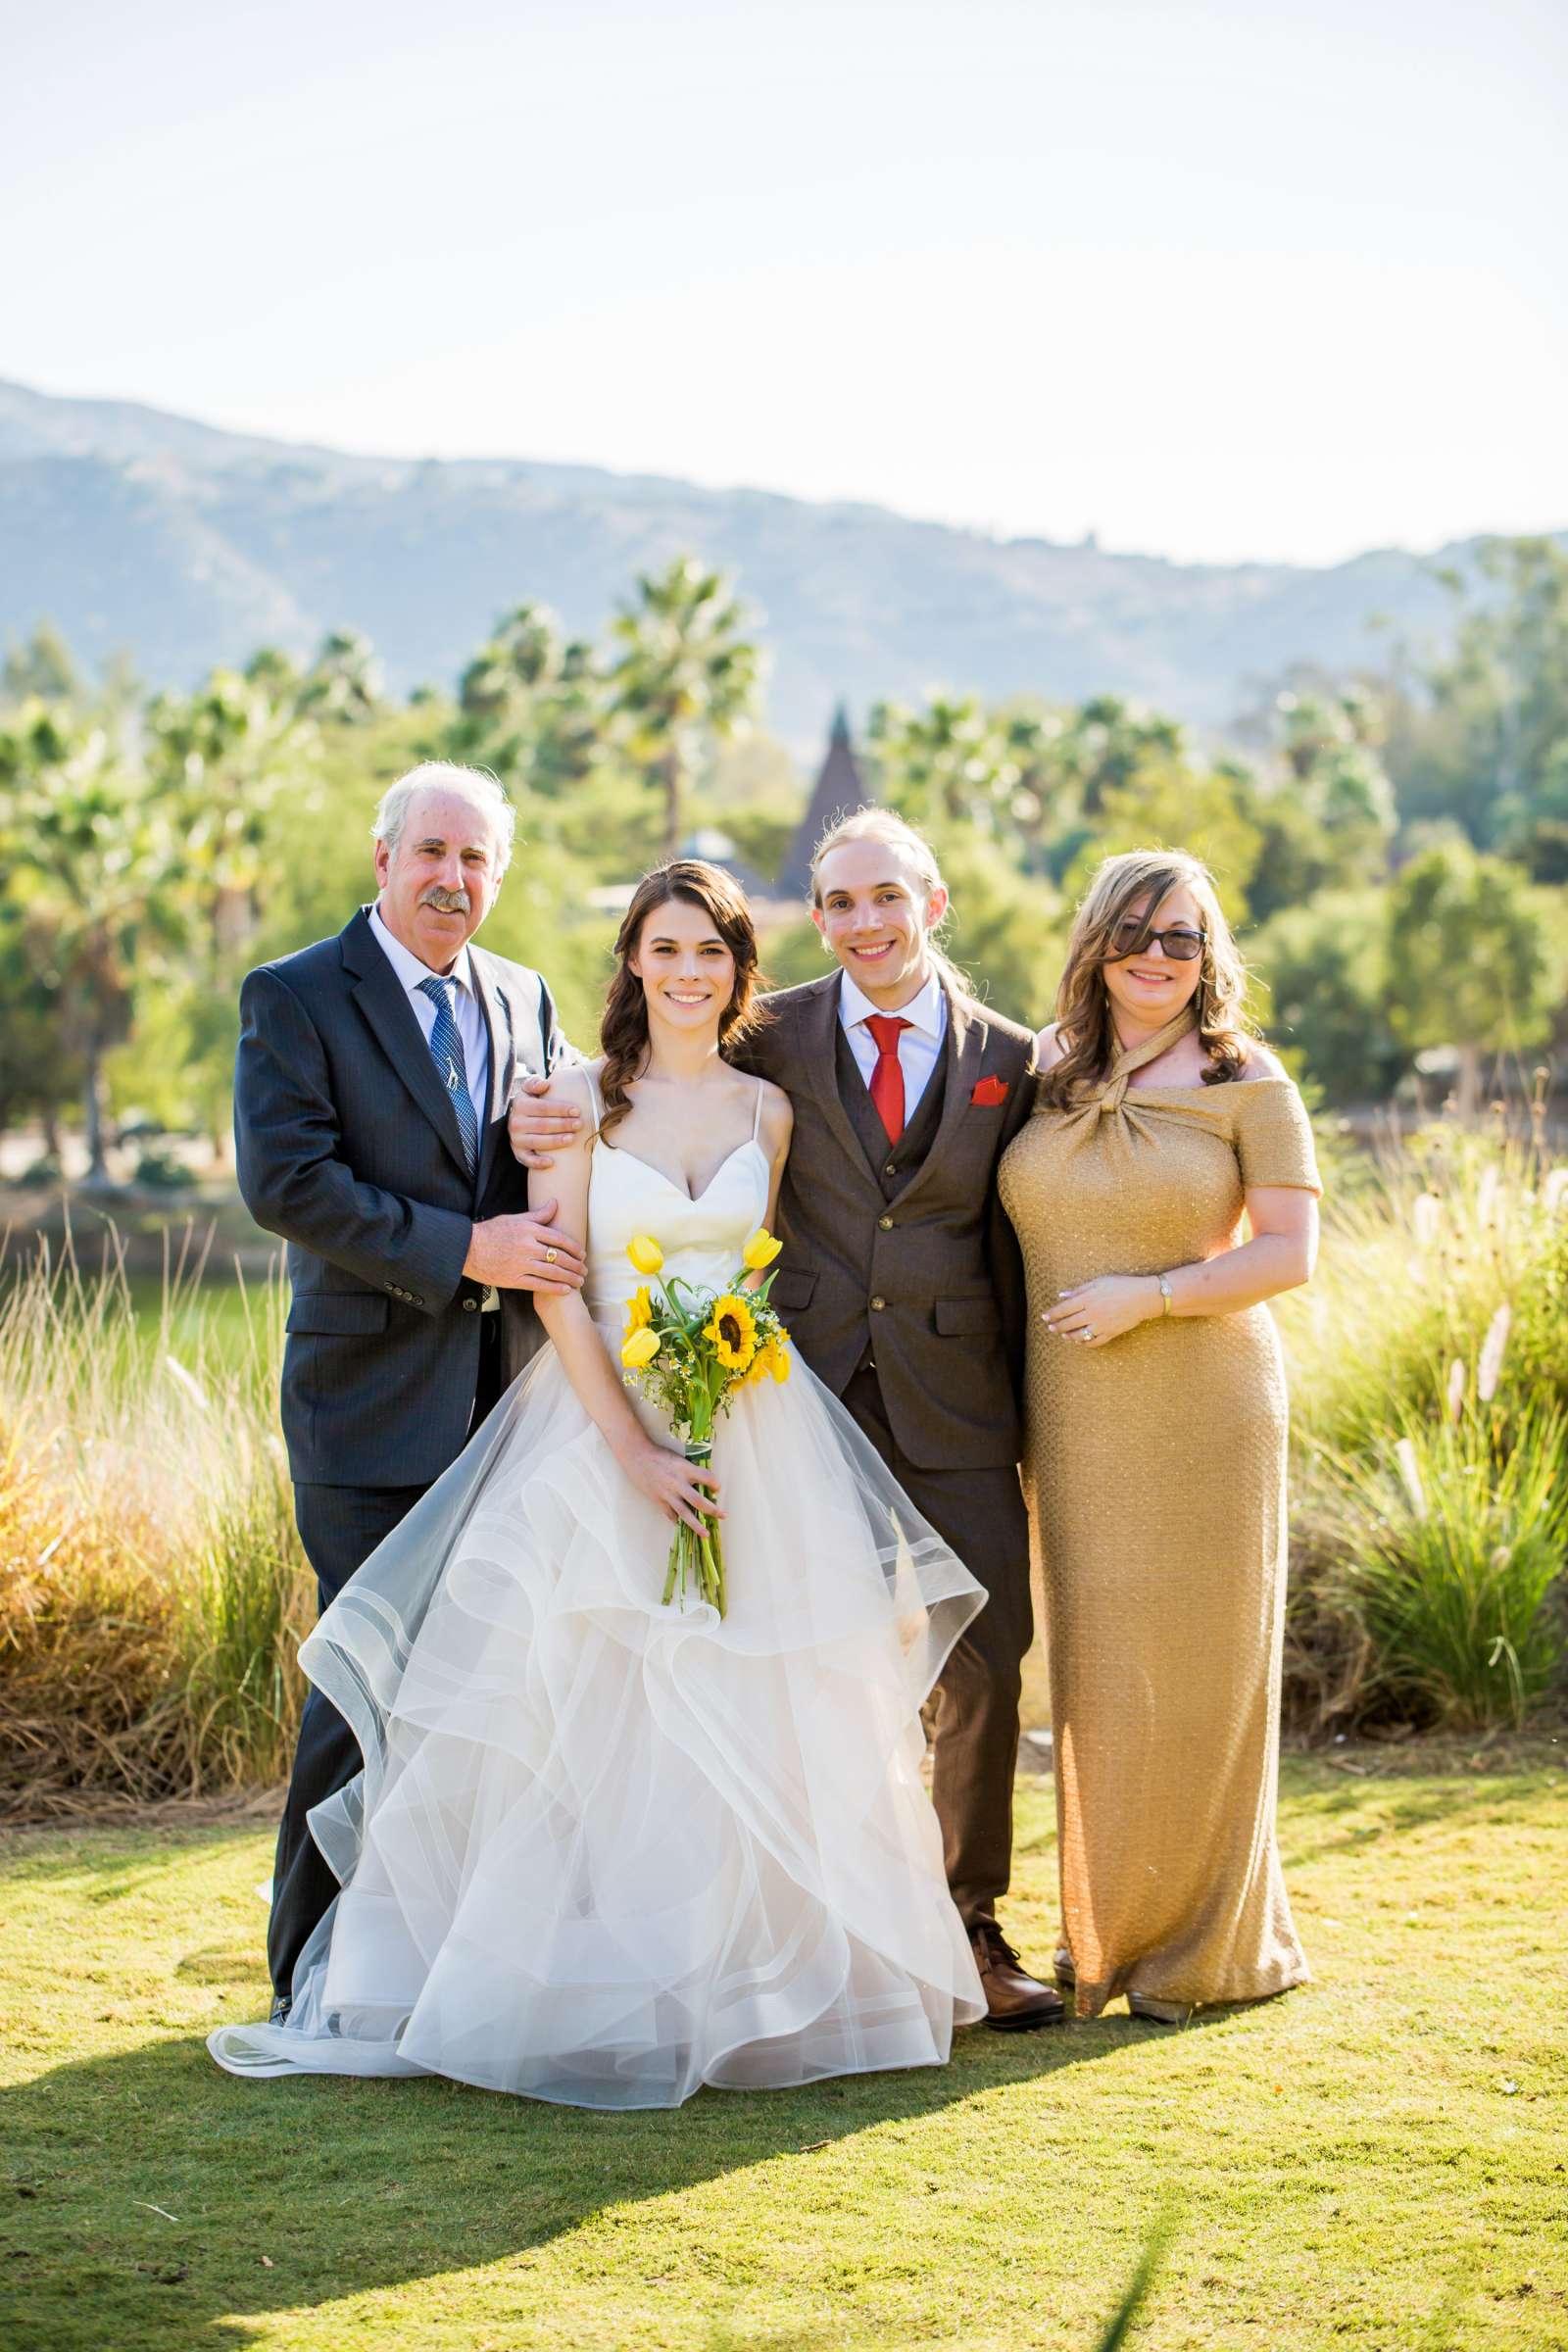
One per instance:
(1492, 1350)
(152, 1588)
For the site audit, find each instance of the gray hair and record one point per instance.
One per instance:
(475, 785)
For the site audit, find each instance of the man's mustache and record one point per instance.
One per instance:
(446, 902)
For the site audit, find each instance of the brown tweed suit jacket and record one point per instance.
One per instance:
(919, 1265)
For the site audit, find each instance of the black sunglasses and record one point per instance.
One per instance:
(1181, 945)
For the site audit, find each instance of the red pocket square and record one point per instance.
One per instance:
(989, 1092)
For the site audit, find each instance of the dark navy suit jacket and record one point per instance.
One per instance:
(348, 1146)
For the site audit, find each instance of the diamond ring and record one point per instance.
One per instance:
(551, 1256)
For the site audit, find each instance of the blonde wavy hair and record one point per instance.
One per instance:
(886, 825)
(1135, 884)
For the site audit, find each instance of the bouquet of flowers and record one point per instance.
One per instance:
(690, 1353)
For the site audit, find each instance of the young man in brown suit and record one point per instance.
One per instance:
(901, 1285)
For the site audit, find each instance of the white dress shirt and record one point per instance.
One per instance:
(469, 1012)
(919, 1046)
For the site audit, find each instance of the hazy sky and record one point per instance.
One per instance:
(1276, 278)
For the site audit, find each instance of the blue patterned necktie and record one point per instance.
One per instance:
(446, 1048)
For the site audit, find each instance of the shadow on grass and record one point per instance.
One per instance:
(1339, 1813)
(351, 2188)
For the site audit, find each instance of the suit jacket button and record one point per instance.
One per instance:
(469, 1304)
(886, 1224)
(891, 1169)
(878, 1305)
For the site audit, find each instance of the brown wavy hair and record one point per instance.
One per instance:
(623, 1029)
(1143, 878)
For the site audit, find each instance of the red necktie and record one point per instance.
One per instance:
(887, 1079)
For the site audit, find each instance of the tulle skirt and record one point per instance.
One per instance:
(605, 1850)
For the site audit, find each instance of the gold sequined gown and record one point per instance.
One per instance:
(1155, 1467)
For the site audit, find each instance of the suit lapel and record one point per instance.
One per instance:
(496, 1006)
(379, 994)
(819, 1022)
(964, 1051)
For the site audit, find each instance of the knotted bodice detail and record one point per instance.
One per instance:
(1110, 1095)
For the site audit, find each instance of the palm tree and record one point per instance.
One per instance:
(686, 669)
(345, 681)
(92, 861)
(220, 761)
(529, 704)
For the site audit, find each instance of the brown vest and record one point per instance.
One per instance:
(921, 1266)
(892, 1165)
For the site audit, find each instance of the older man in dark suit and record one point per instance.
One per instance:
(370, 1110)
(902, 1286)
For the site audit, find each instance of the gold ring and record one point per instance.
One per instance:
(551, 1256)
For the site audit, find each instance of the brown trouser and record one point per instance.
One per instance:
(981, 1514)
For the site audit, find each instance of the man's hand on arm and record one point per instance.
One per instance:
(525, 1253)
(538, 1128)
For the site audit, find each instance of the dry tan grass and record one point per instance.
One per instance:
(151, 1583)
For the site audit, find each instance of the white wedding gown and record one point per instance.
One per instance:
(603, 1851)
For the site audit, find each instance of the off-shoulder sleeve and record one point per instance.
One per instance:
(1274, 1136)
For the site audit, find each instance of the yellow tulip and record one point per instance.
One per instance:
(778, 1356)
(641, 1348)
(760, 1251)
(644, 1254)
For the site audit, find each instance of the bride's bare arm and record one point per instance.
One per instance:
(777, 1126)
(665, 1477)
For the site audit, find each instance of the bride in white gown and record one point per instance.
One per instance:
(606, 1850)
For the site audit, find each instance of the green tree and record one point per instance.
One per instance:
(43, 668)
(40, 1075)
(1473, 959)
(686, 672)
(1165, 803)
(1322, 969)
(345, 682)
(1322, 801)
(1483, 745)
(218, 759)
(530, 705)
(944, 763)
(91, 861)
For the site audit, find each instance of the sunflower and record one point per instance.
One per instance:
(639, 1310)
(733, 1332)
(770, 1362)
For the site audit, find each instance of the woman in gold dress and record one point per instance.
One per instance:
(1155, 1449)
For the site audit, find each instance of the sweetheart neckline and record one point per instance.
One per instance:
(692, 1199)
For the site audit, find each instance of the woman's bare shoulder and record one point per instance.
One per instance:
(1049, 1045)
(567, 1079)
(1260, 1062)
(777, 1121)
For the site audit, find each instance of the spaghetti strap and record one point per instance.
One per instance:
(757, 1115)
(594, 1096)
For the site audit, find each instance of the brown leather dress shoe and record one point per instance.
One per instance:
(1015, 2002)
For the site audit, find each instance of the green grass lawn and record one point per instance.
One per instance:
(1378, 2161)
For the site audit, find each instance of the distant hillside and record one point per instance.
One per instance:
(186, 546)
